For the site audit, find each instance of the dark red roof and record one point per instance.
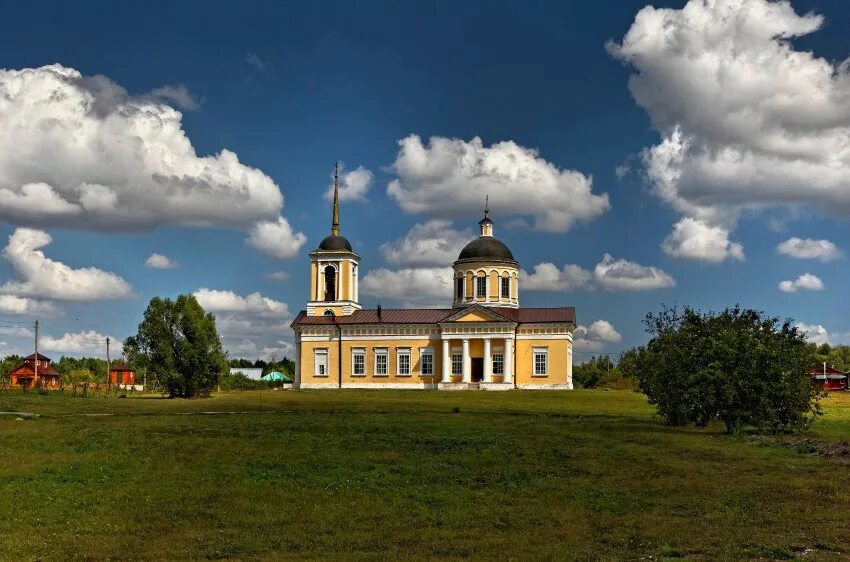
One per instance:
(829, 371)
(26, 369)
(41, 357)
(436, 315)
(121, 367)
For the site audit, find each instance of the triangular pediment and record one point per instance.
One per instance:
(476, 313)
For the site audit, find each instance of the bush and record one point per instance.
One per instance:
(738, 366)
(238, 381)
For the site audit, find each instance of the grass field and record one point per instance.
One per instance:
(393, 474)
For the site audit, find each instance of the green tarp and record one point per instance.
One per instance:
(277, 376)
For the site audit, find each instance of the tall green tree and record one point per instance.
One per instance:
(178, 344)
(739, 366)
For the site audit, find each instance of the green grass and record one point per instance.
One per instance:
(392, 474)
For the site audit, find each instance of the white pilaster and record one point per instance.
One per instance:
(467, 364)
(296, 380)
(488, 361)
(570, 365)
(447, 362)
(509, 360)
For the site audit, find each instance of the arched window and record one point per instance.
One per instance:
(329, 312)
(330, 283)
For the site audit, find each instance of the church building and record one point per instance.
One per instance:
(486, 340)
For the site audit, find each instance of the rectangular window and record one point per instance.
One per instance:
(381, 362)
(481, 287)
(459, 288)
(498, 364)
(457, 364)
(358, 362)
(506, 288)
(320, 362)
(403, 355)
(541, 361)
(426, 361)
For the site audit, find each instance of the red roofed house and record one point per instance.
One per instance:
(122, 374)
(25, 374)
(829, 377)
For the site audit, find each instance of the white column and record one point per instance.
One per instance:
(467, 364)
(509, 360)
(296, 380)
(447, 362)
(488, 361)
(570, 363)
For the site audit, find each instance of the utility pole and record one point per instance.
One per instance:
(108, 381)
(35, 363)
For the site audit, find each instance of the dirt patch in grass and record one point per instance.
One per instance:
(838, 451)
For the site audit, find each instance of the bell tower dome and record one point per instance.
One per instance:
(334, 266)
(486, 272)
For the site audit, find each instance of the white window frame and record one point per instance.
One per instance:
(384, 352)
(501, 360)
(355, 353)
(458, 363)
(399, 353)
(423, 352)
(320, 359)
(540, 351)
(477, 282)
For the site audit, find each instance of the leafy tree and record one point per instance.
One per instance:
(7, 365)
(78, 379)
(739, 366)
(178, 344)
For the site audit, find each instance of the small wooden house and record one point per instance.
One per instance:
(829, 378)
(122, 374)
(26, 377)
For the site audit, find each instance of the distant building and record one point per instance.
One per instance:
(829, 378)
(250, 372)
(25, 375)
(122, 374)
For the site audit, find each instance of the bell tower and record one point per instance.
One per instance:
(334, 271)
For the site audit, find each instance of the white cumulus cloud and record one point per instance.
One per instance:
(433, 243)
(747, 121)
(450, 178)
(35, 275)
(809, 249)
(806, 281)
(547, 277)
(624, 275)
(276, 239)
(595, 336)
(88, 342)
(10, 304)
(427, 287)
(278, 276)
(248, 324)
(816, 333)
(696, 240)
(159, 261)
(353, 185)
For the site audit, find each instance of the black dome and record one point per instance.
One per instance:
(486, 248)
(335, 243)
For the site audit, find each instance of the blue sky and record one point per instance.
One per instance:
(754, 128)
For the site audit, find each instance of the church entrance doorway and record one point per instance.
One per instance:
(477, 369)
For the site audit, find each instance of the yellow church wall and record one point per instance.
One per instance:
(494, 285)
(313, 268)
(392, 346)
(344, 275)
(524, 358)
(474, 316)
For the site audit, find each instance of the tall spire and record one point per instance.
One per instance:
(335, 224)
(486, 206)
